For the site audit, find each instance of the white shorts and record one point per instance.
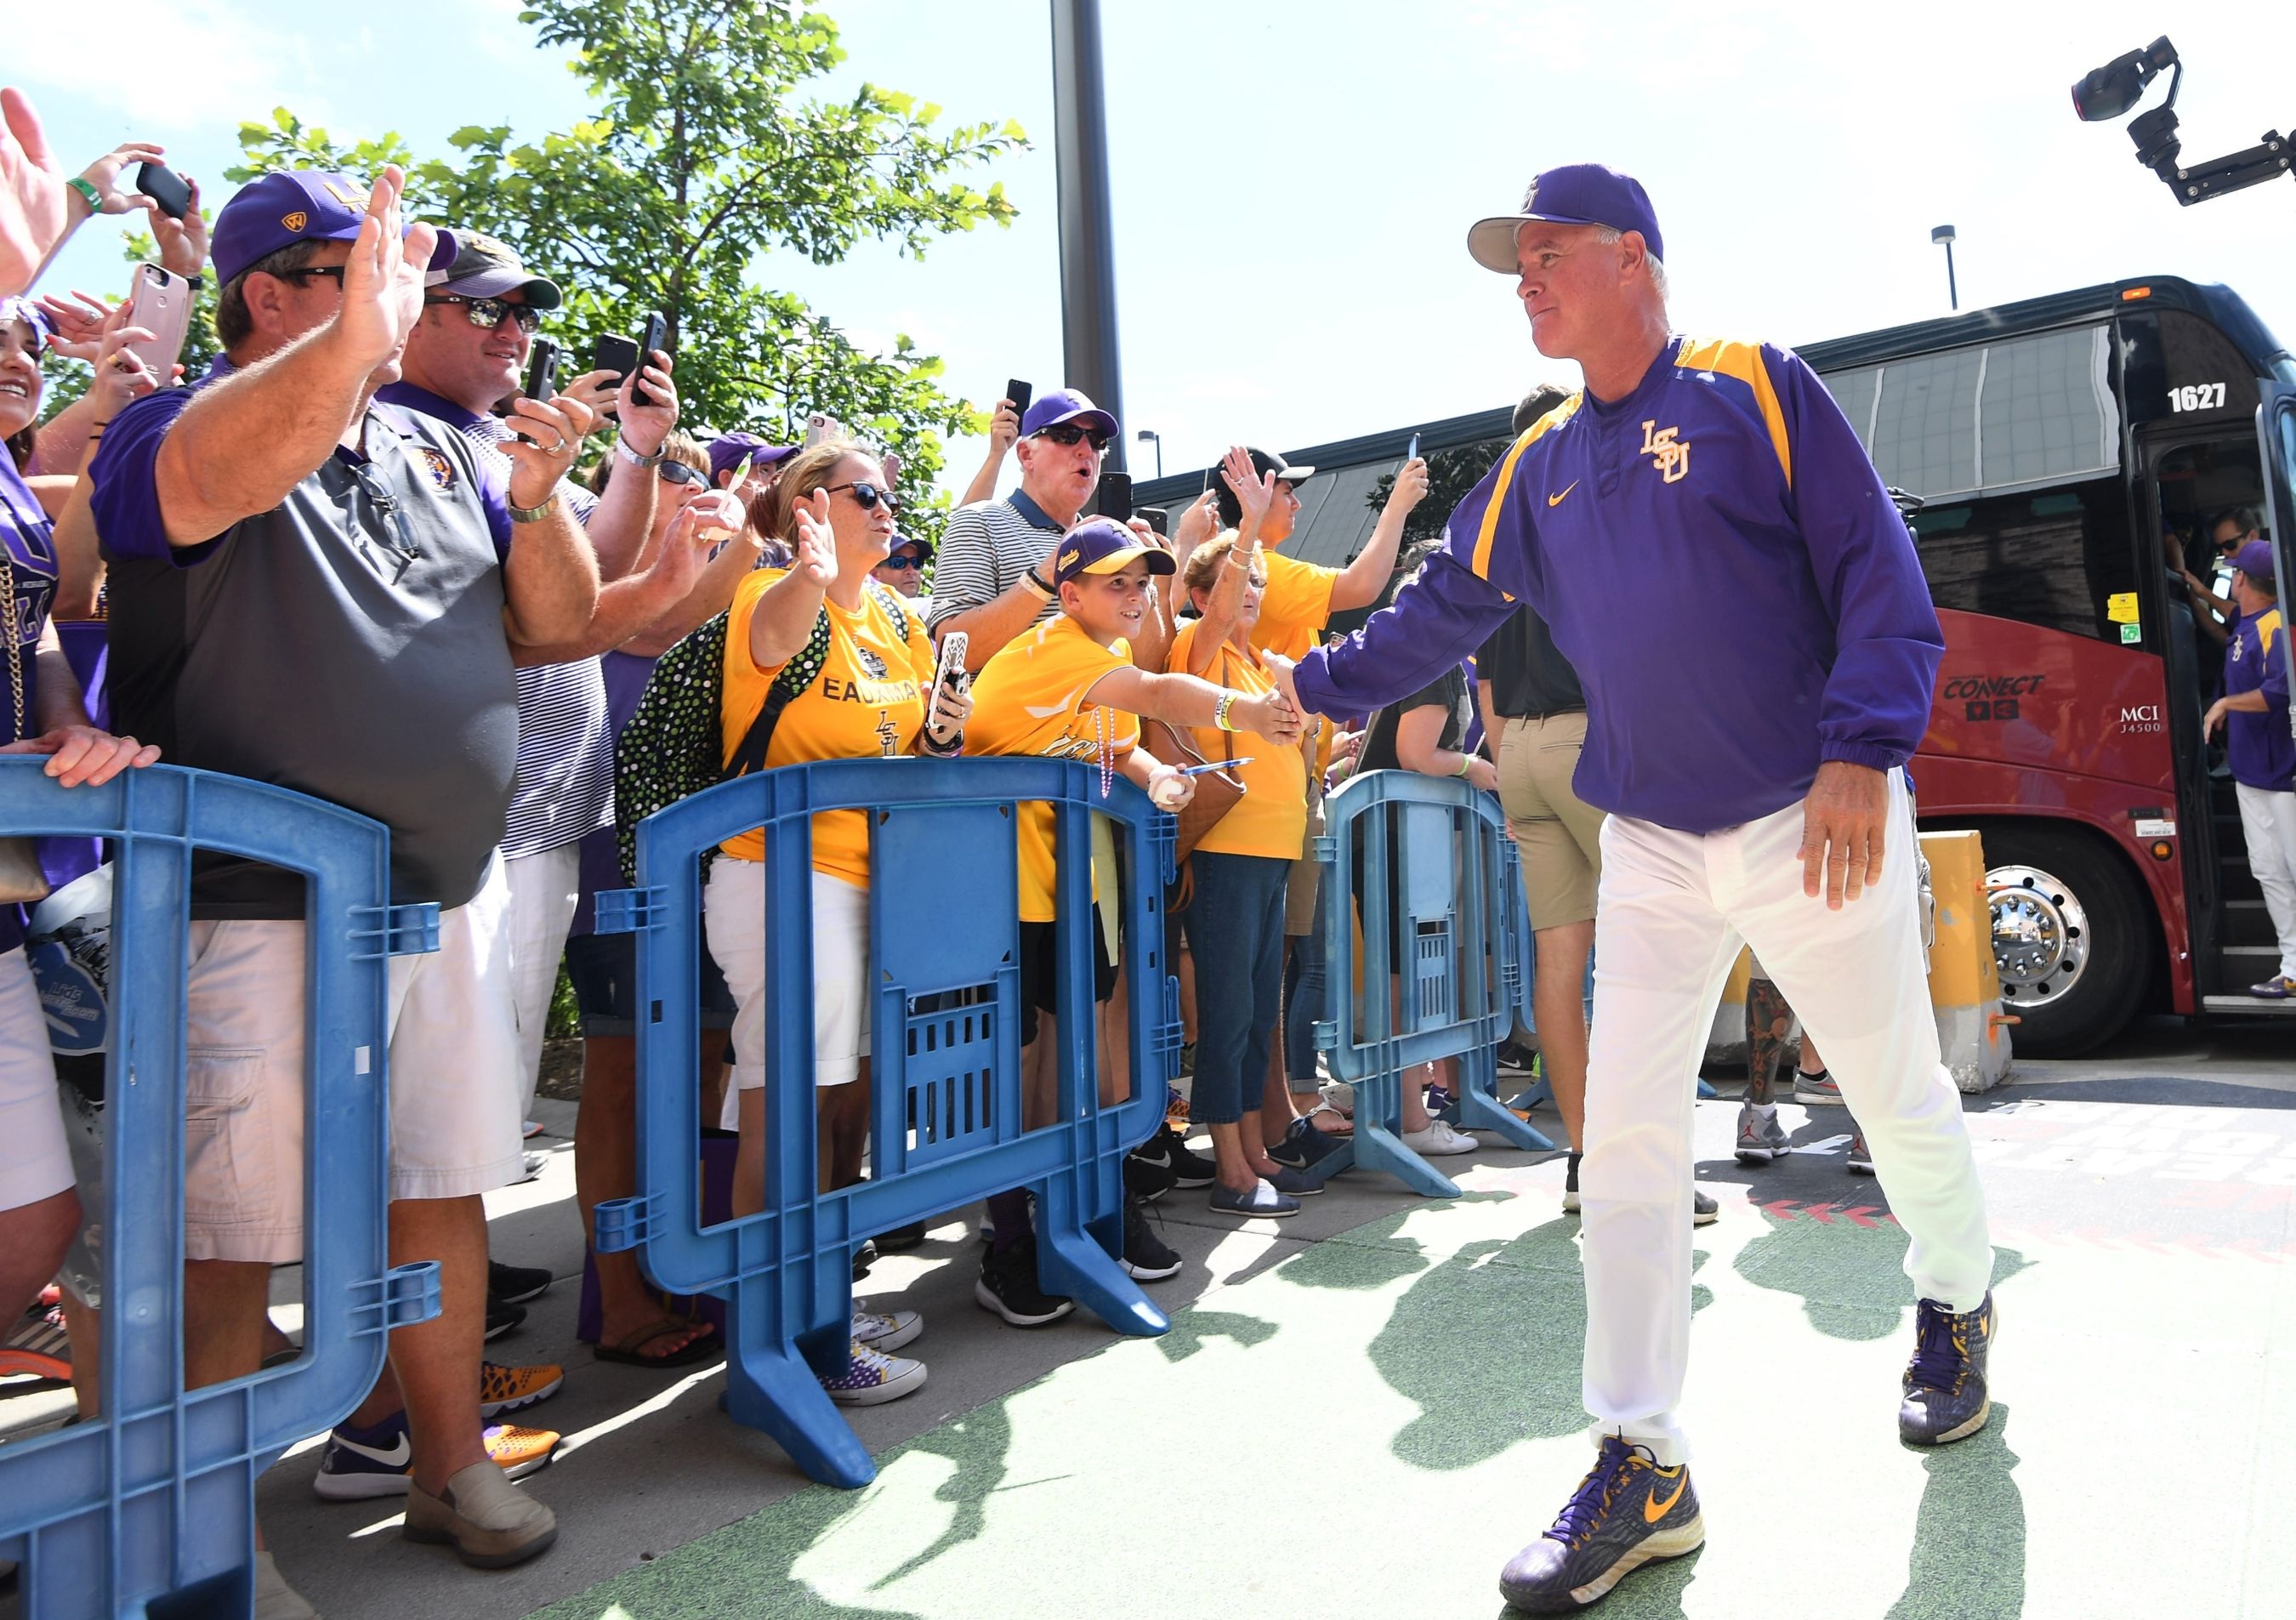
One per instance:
(453, 1057)
(544, 889)
(35, 1163)
(735, 920)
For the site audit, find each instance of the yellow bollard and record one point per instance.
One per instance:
(1964, 983)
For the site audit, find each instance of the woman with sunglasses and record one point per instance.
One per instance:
(832, 508)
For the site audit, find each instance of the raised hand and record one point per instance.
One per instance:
(382, 280)
(1410, 486)
(814, 554)
(1003, 427)
(34, 208)
(1842, 824)
(121, 375)
(645, 426)
(1254, 492)
(77, 321)
(108, 175)
(1199, 523)
(549, 438)
(183, 243)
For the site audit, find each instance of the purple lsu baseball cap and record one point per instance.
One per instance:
(1576, 193)
(1065, 405)
(1102, 545)
(296, 205)
(728, 451)
(2255, 561)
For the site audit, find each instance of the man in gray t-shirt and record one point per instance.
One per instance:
(314, 589)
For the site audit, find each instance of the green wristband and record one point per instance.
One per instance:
(85, 187)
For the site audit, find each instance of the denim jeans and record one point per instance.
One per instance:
(1236, 926)
(1306, 998)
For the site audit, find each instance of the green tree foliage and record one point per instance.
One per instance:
(1452, 476)
(705, 152)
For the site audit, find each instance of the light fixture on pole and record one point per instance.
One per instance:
(1149, 436)
(1945, 234)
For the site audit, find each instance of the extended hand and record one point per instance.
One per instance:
(77, 320)
(34, 208)
(1199, 523)
(645, 426)
(1842, 823)
(1281, 668)
(1410, 486)
(121, 375)
(814, 554)
(183, 243)
(1003, 428)
(1272, 716)
(1254, 492)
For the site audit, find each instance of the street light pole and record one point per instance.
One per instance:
(1945, 234)
(1088, 248)
(1149, 436)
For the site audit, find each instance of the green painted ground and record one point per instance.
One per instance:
(1370, 1428)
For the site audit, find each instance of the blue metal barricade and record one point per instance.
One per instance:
(1437, 881)
(945, 1110)
(153, 1504)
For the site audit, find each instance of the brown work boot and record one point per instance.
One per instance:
(491, 1522)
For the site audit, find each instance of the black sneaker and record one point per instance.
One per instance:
(1304, 1147)
(901, 1238)
(1704, 1210)
(1147, 1258)
(1147, 1173)
(864, 1255)
(1626, 1513)
(517, 1284)
(502, 1316)
(1945, 1394)
(1515, 1059)
(1570, 1185)
(1008, 1287)
(1189, 1168)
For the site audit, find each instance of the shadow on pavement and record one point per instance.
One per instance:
(2165, 1091)
(1968, 1561)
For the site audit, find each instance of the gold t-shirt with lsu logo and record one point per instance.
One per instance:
(867, 702)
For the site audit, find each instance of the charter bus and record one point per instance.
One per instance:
(2050, 453)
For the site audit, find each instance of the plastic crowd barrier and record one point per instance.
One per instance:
(151, 1508)
(1964, 977)
(945, 1121)
(1437, 851)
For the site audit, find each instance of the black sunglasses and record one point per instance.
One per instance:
(906, 561)
(869, 495)
(377, 489)
(678, 472)
(486, 314)
(309, 271)
(1067, 433)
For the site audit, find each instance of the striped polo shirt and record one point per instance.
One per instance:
(985, 549)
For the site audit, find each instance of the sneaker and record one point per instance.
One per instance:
(1189, 1168)
(1008, 1287)
(884, 1332)
(1293, 1183)
(502, 1316)
(1262, 1202)
(1570, 1185)
(2274, 989)
(1147, 1173)
(1946, 1394)
(1760, 1137)
(1443, 1104)
(502, 1389)
(1439, 1139)
(535, 1164)
(1861, 1160)
(1517, 1061)
(1304, 1147)
(1704, 1210)
(517, 1284)
(864, 1255)
(274, 1599)
(1147, 1257)
(39, 1347)
(357, 1464)
(1820, 1088)
(902, 1238)
(870, 1378)
(1626, 1513)
(489, 1524)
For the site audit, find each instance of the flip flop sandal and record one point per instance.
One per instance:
(702, 1347)
(1345, 1127)
(38, 1346)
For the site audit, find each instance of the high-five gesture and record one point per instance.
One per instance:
(815, 558)
(1270, 715)
(383, 281)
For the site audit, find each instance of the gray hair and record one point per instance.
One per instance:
(1607, 234)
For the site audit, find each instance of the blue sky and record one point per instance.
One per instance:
(1293, 181)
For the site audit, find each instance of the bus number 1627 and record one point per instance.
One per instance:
(2197, 396)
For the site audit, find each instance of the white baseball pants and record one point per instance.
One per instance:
(1674, 909)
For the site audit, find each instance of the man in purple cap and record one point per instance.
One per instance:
(991, 581)
(1752, 804)
(317, 589)
(2254, 713)
(746, 464)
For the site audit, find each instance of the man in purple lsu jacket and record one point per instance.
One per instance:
(1750, 716)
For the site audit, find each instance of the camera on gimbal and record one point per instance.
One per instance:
(2108, 92)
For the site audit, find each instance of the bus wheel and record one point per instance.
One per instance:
(2068, 937)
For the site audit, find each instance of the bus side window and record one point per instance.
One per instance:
(2046, 557)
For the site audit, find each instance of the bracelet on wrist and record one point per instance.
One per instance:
(1466, 764)
(1220, 711)
(629, 453)
(537, 512)
(1036, 585)
(85, 187)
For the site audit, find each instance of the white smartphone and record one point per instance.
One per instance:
(818, 427)
(951, 668)
(160, 302)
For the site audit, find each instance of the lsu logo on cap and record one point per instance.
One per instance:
(436, 463)
(1067, 557)
(344, 194)
(294, 222)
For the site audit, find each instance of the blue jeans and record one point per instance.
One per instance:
(1306, 997)
(1235, 927)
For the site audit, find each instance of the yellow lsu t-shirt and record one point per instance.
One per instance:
(1271, 818)
(1295, 607)
(1029, 698)
(867, 702)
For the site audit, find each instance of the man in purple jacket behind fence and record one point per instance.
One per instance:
(1748, 726)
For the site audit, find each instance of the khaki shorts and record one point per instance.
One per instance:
(453, 1075)
(1559, 835)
